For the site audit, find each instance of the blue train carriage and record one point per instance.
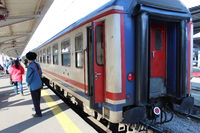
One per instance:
(124, 62)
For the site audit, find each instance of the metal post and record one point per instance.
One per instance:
(142, 58)
(182, 57)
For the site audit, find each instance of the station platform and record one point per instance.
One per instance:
(16, 113)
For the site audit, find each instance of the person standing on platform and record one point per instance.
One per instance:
(7, 63)
(33, 79)
(16, 71)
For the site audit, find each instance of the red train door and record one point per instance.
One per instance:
(157, 59)
(158, 51)
(99, 62)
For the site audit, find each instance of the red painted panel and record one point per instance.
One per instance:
(73, 82)
(99, 70)
(158, 50)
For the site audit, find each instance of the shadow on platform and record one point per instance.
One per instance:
(4, 96)
(17, 128)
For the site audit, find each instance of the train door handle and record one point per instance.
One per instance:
(153, 53)
(96, 75)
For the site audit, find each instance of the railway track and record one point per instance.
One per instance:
(102, 126)
(194, 113)
(184, 122)
(97, 126)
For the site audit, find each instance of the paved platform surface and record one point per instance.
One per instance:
(16, 113)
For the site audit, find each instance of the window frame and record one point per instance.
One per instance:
(49, 55)
(79, 51)
(67, 41)
(44, 55)
(41, 60)
(55, 54)
(158, 40)
(97, 46)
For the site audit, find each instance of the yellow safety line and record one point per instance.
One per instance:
(64, 120)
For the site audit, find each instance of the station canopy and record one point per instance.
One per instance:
(195, 12)
(18, 21)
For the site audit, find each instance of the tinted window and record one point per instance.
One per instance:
(41, 56)
(79, 51)
(55, 54)
(158, 34)
(49, 55)
(66, 53)
(99, 45)
(44, 56)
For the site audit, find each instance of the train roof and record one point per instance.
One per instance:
(128, 5)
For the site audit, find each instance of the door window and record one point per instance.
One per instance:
(158, 37)
(99, 45)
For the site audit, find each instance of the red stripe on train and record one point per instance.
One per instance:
(73, 82)
(109, 95)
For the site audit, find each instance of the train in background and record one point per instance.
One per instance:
(127, 61)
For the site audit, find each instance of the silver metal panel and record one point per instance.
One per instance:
(113, 54)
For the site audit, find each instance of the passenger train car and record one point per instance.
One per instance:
(127, 61)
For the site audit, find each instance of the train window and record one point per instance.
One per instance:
(66, 53)
(44, 55)
(49, 55)
(158, 34)
(55, 54)
(38, 58)
(79, 51)
(41, 56)
(99, 45)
